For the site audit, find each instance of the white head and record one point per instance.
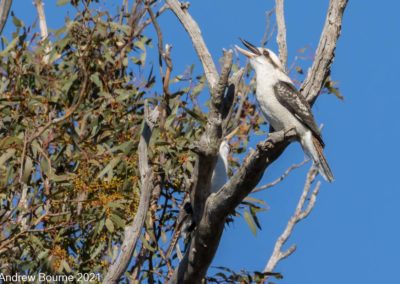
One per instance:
(263, 60)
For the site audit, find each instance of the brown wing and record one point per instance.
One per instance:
(290, 98)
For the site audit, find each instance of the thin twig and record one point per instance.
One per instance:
(299, 214)
(159, 36)
(198, 42)
(124, 11)
(281, 178)
(268, 30)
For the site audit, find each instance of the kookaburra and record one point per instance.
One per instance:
(283, 106)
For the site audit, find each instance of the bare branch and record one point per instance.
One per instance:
(5, 6)
(162, 55)
(124, 10)
(199, 45)
(133, 230)
(281, 35)
(209, 143)
(219, 90)
(159, 35)
(268, 29)
(43, 28)
(138, 30)
(299, 214)
(325, 54)
(281, 178)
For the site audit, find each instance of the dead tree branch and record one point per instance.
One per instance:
(325, 54)
(210, 141)
(199, 45)
(281, 34)
(133, 230)
(43, 28)
(299, 214)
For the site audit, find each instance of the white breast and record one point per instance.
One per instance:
(275, 113)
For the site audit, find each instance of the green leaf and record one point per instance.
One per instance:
(60, 178)
(9, 47)
(62, 2)
(146, 244)
(250, 222)
(109, 225)
(97, 250)
(17, 22)
(100, 226)
(255, 200)
(115, 204)
(27, 170)
(96, 80)
(108, 169)
(124, 147)
(195, 115)
(69, 82)
(117, 220)
(5, 142)
(65, 266)
(117, 27)
(123, 94)
(7, 155)
(43, 254)
(163, 237)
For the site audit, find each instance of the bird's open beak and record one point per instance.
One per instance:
(252, 52)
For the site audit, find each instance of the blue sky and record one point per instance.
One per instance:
(352, 234)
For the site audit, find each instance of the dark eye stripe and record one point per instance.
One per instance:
(272, 62)
(266, 54)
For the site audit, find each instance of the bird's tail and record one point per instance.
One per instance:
(321, 162)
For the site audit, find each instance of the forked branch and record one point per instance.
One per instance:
(300, 213)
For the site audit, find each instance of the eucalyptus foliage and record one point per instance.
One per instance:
(70, 124)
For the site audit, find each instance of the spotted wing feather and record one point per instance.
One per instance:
(290, 98)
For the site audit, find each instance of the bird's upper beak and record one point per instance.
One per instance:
(252, 52)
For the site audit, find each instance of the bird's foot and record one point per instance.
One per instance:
(290, 133)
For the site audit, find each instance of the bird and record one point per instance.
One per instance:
(283, 106)
(220, 173)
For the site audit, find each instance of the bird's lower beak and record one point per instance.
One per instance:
(252, 52)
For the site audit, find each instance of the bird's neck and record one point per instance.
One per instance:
(268, 76)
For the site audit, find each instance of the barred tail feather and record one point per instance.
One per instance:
(321, 162)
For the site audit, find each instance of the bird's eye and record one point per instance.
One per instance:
(266, 53)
